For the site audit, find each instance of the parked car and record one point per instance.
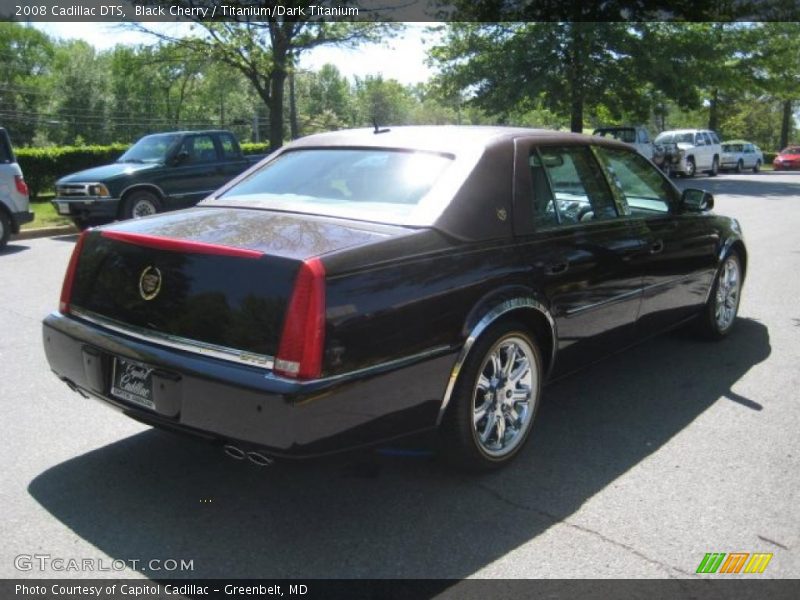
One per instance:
(789, 158)
(664, 155)
(700, 150)
(738, 155)
(160, 172)
(14, 202)
(358, 286)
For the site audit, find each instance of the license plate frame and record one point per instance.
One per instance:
(132, 382)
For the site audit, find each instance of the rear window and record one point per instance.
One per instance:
(675, 138)
(367, 184)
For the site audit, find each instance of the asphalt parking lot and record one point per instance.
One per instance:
(637, 467)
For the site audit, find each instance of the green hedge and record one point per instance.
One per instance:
(43, 166)
(769, 157)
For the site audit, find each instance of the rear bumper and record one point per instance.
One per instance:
(20, 218)
(229, 402)
(87, 208)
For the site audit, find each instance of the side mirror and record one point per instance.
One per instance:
(179, 158)
(695, 200)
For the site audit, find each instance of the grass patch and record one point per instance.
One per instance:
(46, 216)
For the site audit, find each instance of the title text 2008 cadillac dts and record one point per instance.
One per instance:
(362, 285)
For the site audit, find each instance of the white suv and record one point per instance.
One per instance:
(699, 148)
(13, 192)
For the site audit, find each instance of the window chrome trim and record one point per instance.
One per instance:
(489, 318)
(177, 342)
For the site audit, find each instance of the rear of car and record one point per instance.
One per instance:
(217, 320)
(14, 202)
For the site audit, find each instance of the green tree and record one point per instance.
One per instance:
(26, 56)
(264, 51)
(569, 69)
(776, 63)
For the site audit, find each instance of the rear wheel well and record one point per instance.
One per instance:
(538, 325)
(738, 247)
(4, 209)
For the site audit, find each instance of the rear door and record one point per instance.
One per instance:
(680, 255)
(579, 250)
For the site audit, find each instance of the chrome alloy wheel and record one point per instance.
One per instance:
(503, 401)
(728, 286)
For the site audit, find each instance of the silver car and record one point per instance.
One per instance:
(738, 155)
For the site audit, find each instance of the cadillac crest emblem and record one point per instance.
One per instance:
(150, 283)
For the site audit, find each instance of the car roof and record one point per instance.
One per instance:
(445, 139)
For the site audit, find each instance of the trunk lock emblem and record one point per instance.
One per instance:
(150, 283)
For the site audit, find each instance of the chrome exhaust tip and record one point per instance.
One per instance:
(234, 452)
(259, 459)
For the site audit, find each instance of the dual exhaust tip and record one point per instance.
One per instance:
(254, 457)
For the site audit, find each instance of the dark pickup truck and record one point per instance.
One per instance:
(160, 172)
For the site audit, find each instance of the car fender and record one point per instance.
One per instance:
(489, 310)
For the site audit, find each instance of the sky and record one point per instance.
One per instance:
(401, 58)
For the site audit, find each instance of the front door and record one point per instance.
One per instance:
(680, 259)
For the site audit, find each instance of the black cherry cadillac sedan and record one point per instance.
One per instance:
(362, 285)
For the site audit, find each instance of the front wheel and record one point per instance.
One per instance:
(690, 168)
(739, 166)
(140, 204)
(494, 400)
(720, 311)
(757, 166)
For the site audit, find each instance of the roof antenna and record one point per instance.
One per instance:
(378, 129)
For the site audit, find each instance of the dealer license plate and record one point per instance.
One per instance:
(133, 382)
(63, 208)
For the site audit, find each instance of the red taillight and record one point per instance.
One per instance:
(69, 277)
(300, 351)
(22, 187)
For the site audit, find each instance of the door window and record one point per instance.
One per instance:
(568, 187)
(229, 149)
(643, 187)
(199, 149)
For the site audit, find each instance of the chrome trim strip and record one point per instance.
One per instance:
(372, 369)
(233, 355)
(489, 318)
(177, 342)
(617, 298)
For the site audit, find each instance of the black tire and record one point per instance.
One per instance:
(739, 166)
(462, 443)
(709, 323)
(140, 204)
(714, 167)
(757, 166)
(691, 167)
(5, 229)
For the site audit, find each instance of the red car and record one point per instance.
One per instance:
(789, 158)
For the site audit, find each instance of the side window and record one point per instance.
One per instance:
(229, 151)
(699, 140)
(199, 149)
(644, 189)
(544, 206)
(5, 150)
(579, 190)
(714, 138)
(643, 137)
